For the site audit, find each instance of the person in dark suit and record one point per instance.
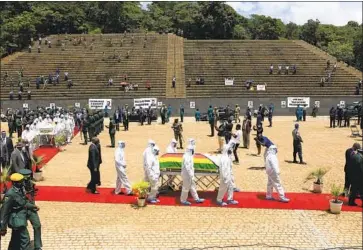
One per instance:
(6, 149)
(93, 164)
(348, 167)
(17, 161)
(27, 156)
(356, 177)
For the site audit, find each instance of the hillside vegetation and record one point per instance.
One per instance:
(193, 20)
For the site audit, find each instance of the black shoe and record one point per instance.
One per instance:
(95, 192)
(99, 184)
(294, 162)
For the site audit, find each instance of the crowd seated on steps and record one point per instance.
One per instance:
(280, 67)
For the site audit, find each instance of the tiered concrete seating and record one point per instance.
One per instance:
(89, 72)
(250, 60)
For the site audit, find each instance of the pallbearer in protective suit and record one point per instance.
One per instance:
(153, 174)
(273, 174)
(146, 155)
(226, 178)
(14, 214)
(172, 148)
(120, 164)
(187, 174)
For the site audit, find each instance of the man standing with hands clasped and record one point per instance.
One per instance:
(93, 164)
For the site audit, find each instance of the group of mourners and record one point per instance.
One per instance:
(339, 114)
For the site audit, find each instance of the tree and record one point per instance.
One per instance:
(309, 31)
(292, 31)
(265, 28)
(239, 32)
(343, 52)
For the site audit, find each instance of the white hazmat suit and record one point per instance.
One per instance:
(172, 148)
(226, 178)
(187, 174)
(68, 129)
(147, 154)
(120, 164)
(153, 174)
(273, 174)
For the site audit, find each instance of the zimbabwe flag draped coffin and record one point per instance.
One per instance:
(173, 162)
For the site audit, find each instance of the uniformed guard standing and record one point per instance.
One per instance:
(85, 130)
(14, 214)
(112, 131)
(332, 114)
(32, 215)
(90, 127)
(126, 118)
(297, 140)
(181, 113)
(237, 112)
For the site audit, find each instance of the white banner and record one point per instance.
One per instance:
(228, 82)
(25, 105)
(292, 102)
(342, 104)
(160, 104)
(192, 105)
(52, 105)
(77, 105)
(283, 104)
(145, 103)
(317, 103)
(99, 103)
(261, 87)
(250, 104)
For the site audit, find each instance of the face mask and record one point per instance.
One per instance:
(192, 151)
(23, 148)
(156, 152)
(229, 152)
(27, 128)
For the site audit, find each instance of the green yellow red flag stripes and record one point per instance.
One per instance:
(173, 162)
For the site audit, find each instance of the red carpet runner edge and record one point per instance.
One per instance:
(301, 201)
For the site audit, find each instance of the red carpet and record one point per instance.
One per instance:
(300, 201)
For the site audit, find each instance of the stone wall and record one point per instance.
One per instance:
(202, 103)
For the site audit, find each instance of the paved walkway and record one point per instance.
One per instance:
(111, 227)
(116, 226)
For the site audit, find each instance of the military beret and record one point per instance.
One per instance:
(16, 177)
(25, 172)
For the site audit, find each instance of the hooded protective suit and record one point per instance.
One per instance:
(148, 152)
(68, 129)
(171, 149)
(226, 176)
(191, 142)
(26, 134)
(273, 173)
(120, 164)
(187, 174)
(153, 173)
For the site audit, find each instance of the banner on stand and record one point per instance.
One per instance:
(145, 103)
(293, 102)
(100, 103)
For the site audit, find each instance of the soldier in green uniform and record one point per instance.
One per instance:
(85, 130)
(126, 118)
(14, 214)
(112, 131)
(91, 126)
(32, 215)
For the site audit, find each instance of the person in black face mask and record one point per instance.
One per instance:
(27, 156)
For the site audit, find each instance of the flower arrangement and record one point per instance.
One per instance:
(141, 189)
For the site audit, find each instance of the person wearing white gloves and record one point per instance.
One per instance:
(120, 164)
(273, 174)
(146, 155)
(226, 178)
(68, 129)
(191, 142)
(48, 120)
(153, 174)
(187, 174)
(172, 148)
(26, 134)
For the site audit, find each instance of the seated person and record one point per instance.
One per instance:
(322, 82)
(19, 95)
(279, 69)
(29, 95)
(148, 85)
(249, 84)
(189, 83)
(197, 81)
(70, 84)
(271, 69)
(356, 90)
(201, 81)
(136, 86)
(110, 82)
(11, 95)
(294, 69)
